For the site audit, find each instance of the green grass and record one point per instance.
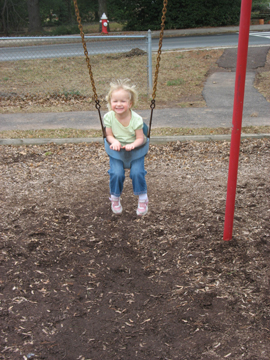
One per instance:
(72, 92)
(75, 133)
(175, 82)
(94, 27)
(65, 30)
(48, 153)
(88, 28)
(49, 134)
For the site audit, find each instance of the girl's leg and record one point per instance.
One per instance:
(117, 177)
(137, 175)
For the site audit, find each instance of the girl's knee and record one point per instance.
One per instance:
(116, 168)
(117, 173)
(137, 173)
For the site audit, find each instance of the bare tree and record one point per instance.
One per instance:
(13, 15)
(4, 18)
(34, 17)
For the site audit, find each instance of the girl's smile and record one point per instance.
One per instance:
(120, 102)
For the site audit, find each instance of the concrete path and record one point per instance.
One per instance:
(218, 93)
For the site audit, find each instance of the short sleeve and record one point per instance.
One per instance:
(107, 120)
(137, 122)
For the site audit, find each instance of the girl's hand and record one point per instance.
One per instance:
(129, 147)
(115, 145)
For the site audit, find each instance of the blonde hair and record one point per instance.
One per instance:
(124, 85)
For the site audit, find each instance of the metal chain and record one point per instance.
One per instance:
(85, 50)
(98, 106)
(153, 101)
(163, 18)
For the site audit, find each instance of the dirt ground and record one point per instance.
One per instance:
(78, 282)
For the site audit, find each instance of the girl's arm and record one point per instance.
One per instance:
(114, 144)
(138, 142)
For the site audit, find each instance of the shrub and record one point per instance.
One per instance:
(65, 30)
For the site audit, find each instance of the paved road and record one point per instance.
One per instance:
(101, 47)
(171, 41)
(211, 41)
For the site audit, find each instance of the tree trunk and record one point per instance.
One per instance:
(68, 2)
(4, 20)
(34, 17)
(102, 8)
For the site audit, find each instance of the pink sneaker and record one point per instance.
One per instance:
(116, 205)
(142, 207)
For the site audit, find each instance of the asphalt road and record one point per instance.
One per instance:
(213, 41)
(124, 45)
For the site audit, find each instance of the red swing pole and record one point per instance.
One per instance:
(239, 91)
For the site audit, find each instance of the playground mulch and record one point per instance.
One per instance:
(78, 282)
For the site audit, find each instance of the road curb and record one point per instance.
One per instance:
(154, 140)
(192, 31)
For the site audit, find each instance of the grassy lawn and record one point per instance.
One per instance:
(63, 85)
(75, 133)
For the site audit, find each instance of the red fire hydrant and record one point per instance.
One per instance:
(104, 23)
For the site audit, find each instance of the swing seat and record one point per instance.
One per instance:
(128, 156)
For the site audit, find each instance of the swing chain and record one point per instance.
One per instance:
(163, 18)
(97, 106)
(153, 104)
(153, 101)
(86, 52)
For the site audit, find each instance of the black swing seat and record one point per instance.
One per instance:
(128, 156)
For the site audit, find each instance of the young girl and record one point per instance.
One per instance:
(124, 130)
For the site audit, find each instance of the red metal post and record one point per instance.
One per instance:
(239, 91)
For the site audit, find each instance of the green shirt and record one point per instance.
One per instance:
(124, 134)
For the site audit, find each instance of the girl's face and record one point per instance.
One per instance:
(120, 102)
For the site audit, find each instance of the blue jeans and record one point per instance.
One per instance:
(117, 176)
